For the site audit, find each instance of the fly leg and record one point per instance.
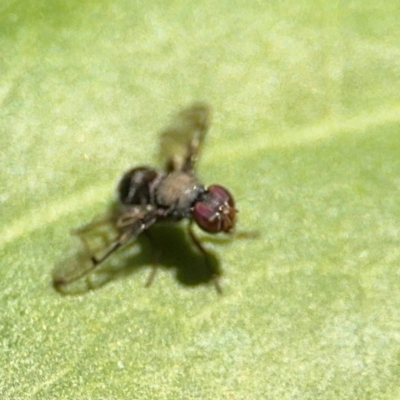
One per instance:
(133, 230)
(156, 258)
(201, 248)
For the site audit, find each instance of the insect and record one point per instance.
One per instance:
(146, 196)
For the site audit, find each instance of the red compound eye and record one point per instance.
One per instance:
(216, 212)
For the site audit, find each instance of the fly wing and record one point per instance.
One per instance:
(180, 142)
(99, 239)
(94, 238)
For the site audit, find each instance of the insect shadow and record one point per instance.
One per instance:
(165, 247)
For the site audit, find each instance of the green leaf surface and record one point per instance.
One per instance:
(306, 134)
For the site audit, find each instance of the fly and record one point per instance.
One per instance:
(147, 195)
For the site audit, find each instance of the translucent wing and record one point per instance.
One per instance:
(99, 239)
(181, 141)
(94, 238)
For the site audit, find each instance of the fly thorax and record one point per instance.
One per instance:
(179, 190)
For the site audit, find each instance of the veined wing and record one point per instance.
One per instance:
(180, 142)
(99, 239)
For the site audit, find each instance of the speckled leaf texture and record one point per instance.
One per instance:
(305, 133)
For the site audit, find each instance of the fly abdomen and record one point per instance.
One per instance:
(138, 186)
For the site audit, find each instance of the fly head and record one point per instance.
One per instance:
(215, 211)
